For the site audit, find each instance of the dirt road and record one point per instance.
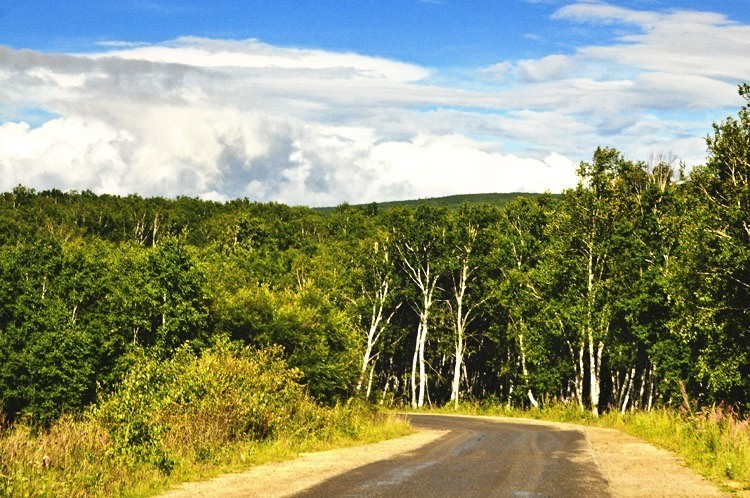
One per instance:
(474, 456)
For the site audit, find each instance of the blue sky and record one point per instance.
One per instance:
(330, 101)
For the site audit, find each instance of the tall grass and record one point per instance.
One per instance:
(187, 418)
(714, 441)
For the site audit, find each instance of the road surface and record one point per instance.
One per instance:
(479, 457)
(472, 456)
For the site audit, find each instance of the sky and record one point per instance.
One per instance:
(329, 101)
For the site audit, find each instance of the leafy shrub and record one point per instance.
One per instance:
(223, 394)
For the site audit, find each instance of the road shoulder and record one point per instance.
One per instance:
(635, 468)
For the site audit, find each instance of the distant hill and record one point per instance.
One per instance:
(451, 202)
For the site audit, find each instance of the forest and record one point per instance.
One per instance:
(630, 291)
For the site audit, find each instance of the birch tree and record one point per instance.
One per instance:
(519, 242)
(378, 303)
(581, 258)
(469, 290)
(420, 242)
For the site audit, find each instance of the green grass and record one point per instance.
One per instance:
(715, 442)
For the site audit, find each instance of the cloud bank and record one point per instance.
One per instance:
(222, 119)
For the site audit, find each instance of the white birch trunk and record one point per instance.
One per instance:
(426, 281)
(373, 333)
(652, 387)
(639, 401)
(459, 330)
(628, 387)
(577, 360)
(369, 382)
(414, 367)
(422, 365)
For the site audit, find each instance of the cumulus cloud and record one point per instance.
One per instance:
(546, 68)
(223, 119)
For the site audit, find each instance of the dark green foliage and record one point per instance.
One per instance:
(316, 337)
(48, 356)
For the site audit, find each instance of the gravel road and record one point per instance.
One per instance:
(473, 456)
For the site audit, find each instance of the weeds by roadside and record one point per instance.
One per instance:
(187, 418)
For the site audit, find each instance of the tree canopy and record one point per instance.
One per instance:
(629, 291)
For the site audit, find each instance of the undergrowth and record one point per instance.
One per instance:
(188, 418)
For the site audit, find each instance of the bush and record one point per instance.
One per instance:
(224, 394)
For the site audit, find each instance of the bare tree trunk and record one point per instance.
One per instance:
(155, 232)
(462, 316)
(164, 312)
(369, 381)
(628, 387)
(595, 349)
(577, 359)
(525, 371)
(595, 364)
(457, 371)
(139, 230)
(422, 369)
(376, 324)
(639, 401)
(414, 367)
(460, 324)
(652, 387)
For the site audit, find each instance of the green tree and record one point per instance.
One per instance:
(419, 237)
(579, 263)
(48, 361)
(714, 277)
(521, 239)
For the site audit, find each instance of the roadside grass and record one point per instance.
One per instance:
(80, 460)
(185, 419)
(714, 441)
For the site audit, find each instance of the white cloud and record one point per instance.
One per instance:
(601, 12)
(546, 68)
(678, 42)
(223, 119)
(502, 72)
(207, 53)
(64, 153)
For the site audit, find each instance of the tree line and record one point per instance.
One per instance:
(627, 292)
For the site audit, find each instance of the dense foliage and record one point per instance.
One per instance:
(630, 290)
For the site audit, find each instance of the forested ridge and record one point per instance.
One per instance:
(630, 291)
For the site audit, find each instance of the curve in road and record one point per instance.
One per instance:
(479, 457)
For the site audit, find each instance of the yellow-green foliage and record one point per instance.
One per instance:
(177, 419)
(226, 393)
